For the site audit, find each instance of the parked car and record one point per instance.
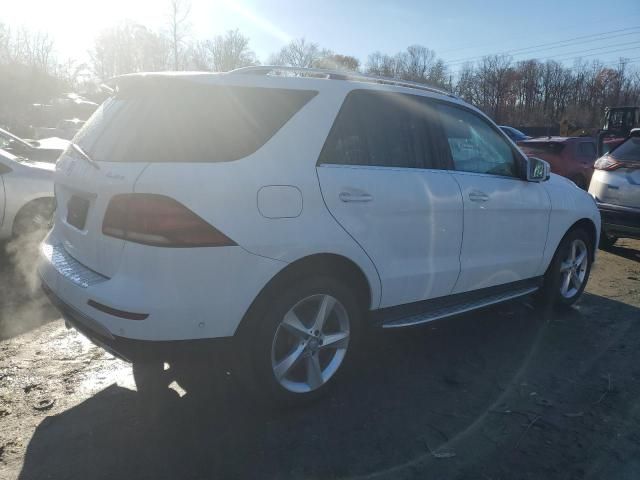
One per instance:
(283, 213)
(514, 134)
(571, 157)
(65, 129)
(26, 195)
(44, 150)
(615, 185)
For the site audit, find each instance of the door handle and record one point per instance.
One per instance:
(477, 196)
(355, 197)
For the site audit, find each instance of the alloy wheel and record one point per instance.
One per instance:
(310, 343)
(573, 268)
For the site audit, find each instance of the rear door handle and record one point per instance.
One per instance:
(347, 196)
(477, 196)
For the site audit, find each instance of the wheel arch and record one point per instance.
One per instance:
(33, 203)
(588, 226)
(331, 264)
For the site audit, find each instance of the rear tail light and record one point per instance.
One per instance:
(607, 163)
(160, 221)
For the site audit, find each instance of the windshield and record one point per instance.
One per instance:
(628, 151)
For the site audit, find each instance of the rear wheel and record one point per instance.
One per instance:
(304, 340)
(568, 273)
(33, 217)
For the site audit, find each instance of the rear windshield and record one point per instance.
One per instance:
(543, 147)
(188, 123)
(629, 151)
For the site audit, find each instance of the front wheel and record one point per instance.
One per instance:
(568, 273)
(304, 340)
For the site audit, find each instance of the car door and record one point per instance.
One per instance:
(505, 217)
(379, 177)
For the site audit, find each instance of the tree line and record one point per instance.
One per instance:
(520, 93)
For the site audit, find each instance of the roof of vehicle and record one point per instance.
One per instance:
(282, 73)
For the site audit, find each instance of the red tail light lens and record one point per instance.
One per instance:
(606, 163)
(160, 221)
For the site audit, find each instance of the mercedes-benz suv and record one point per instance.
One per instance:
(282, 211)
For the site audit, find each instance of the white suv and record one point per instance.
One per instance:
(286, 210)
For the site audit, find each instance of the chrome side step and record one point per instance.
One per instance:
(456, 309)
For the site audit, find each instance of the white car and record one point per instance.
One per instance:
(280, 214)
(615, 185)
(26, 195)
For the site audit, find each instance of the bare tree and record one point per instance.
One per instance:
(129, 48)
(336, 61)
(416, 63)
(223, 53)
(179, 26)
(299, 53)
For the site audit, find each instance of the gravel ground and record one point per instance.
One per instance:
(508, 392)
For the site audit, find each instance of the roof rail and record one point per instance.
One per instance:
(338, 75)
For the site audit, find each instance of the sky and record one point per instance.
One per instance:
(455, 29)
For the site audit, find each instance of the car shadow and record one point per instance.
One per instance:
(625, 251)
(408, 393)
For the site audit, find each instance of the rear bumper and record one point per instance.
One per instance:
(157, 295)
(136, 350)
(620, 221)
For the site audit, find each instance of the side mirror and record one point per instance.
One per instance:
(537, 170)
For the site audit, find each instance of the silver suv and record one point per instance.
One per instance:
(615, 185)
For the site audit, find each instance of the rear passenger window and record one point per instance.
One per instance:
(380, 129)
(475, 146)
(587, 149)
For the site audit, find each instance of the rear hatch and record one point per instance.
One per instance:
(84, 186)
(155, 119)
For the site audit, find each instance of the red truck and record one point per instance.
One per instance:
(571, 157)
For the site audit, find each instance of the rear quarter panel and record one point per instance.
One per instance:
(226, 194)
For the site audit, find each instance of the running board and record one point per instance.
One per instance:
(435, 310)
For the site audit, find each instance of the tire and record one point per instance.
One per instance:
(33, 217)
(557, 290)
(290, 361)
(607, 241)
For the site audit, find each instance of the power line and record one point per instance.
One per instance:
(570, 55)
(557, 44)
(582, 54)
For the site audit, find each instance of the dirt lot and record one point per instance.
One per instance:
(506, 393)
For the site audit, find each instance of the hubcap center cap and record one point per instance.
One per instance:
(314, 344)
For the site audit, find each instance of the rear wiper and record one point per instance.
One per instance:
(84, 155)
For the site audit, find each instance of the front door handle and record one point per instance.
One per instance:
(477, 196)
(349, 196)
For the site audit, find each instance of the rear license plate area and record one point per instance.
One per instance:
(77, 209)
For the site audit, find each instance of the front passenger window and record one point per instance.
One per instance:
(475, 146)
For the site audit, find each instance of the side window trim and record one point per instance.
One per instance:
(432, 132)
